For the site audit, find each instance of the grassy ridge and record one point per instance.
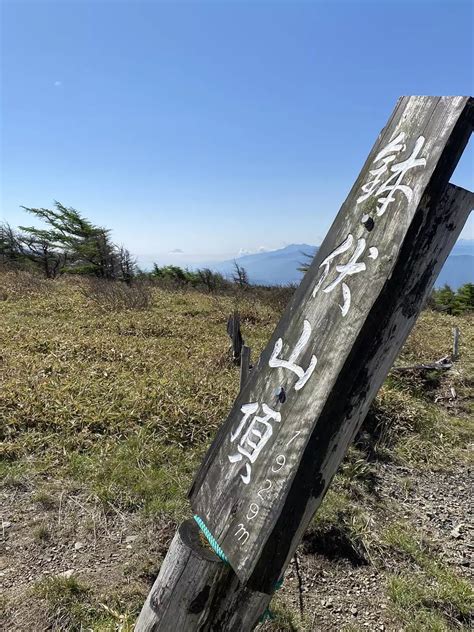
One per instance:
(123, 402)
(91, 390)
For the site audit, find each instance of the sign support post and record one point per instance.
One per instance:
(273, 459)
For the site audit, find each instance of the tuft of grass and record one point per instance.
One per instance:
(45, 499)
(72, 606)
(280, 618)
(41, 533)
(410, 598)
(340, 529)
(13, 475)
(430, 593)
(406, 428)
(67, 602)
(141, 473)
(414, 419)
(3, 605)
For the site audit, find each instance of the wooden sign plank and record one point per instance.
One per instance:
(273, 459)
(194, 589)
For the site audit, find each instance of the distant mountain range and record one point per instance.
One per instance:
(280, 267)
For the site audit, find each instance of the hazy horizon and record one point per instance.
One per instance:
(182, 260)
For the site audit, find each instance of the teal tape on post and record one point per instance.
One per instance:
(211, 539)
(220, 553)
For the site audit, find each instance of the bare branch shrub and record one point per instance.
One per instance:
(240, 276)
(116, 295)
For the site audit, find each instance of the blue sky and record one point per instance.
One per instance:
(213, 127)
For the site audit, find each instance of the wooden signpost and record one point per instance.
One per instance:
(273, 460)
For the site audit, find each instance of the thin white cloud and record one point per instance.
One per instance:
(58, 83)
(252, 251)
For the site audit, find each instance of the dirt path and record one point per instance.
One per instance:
(346, 593)
(68, 534)
(64, 532)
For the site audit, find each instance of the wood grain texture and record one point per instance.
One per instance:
(244, 366)
(233, 329)
(455, 353)
(195, 590)
(354, 352)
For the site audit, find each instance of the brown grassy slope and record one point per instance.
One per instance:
(106, 411)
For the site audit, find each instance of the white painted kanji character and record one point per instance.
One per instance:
(353, 266)
(396, 172)
(290, 364)
(255, 437)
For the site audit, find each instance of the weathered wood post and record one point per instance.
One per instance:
(244, 365)
(455, 343)
(195, 590)
(273, 459)
(233, 329)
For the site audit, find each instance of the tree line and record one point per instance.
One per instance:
(457, 302)
(203, 277)
(69, 243)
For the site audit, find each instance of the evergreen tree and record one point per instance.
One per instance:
(170, 273)
(211, 280)
(85, 248)
(444, 299)
(464, 299)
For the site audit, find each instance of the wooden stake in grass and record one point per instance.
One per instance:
(244, 365)
(455, 343)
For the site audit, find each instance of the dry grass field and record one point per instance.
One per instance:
(108, 400)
